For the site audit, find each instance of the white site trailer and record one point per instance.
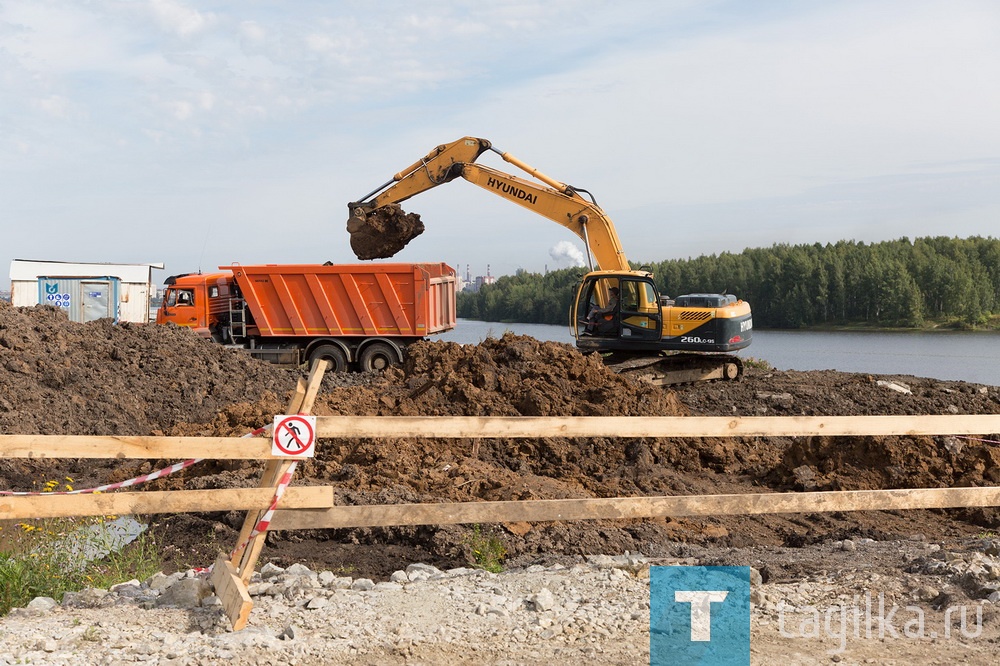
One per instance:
(86, 291)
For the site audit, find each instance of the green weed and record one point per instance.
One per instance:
(757, 363)
(35, 560)
(488, 551)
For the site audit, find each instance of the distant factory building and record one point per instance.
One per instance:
(472, 285)
(85, 291)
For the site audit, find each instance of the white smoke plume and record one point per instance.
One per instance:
(566, 254)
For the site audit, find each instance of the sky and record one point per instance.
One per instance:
(202, 134)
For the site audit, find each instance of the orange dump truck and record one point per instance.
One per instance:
(354, 315)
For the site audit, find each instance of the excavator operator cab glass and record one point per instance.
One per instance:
(598, 304)
(618, 306)
(641, 317)
(630, 296)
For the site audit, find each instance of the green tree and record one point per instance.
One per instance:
(893, 283)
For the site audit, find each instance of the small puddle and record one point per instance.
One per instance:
(94, 542)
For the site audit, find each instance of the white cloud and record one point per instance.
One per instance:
(56, 106)
(182, 110)
(767, 109)
(253, 31)
(320, 43)
(178, 19)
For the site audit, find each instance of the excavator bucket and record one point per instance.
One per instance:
(382, 232)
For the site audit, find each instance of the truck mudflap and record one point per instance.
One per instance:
(672, 369)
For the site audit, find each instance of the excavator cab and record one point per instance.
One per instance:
(613, 306)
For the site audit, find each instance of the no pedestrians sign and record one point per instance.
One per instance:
(294, 436)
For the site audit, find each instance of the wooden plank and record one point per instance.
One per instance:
(633, 507)
(231, 592)
(313, 384)
(109, 446)
(172, 501)
(651, 426)
(240, 448)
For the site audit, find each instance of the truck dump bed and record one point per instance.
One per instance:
(399, 300)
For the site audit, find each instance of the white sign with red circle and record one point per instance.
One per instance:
(294, 436)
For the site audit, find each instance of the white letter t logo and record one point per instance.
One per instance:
(701, 610)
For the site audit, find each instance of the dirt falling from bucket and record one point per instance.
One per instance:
(383, 232)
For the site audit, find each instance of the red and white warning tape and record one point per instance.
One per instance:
(978, 439)
(115, 486)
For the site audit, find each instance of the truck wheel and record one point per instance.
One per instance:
(332, 353)
(377, 357)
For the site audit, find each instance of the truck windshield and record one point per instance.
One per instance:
(175, 297)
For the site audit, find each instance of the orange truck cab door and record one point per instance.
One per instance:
(181, 306)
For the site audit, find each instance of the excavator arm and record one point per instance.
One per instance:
(561, 203)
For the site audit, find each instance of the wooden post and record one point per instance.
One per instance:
(269, 479)
(231, 592)
(232, 578)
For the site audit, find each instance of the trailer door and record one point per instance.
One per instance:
(96, 300)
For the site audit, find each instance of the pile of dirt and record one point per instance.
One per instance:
(383, 232)
(59, 377)
(63, 378)
(860, 463)
(100, 378)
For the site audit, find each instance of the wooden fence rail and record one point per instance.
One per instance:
(134, 447)
(48, 505)
(456, 427)
(651, 426)
(618, 508)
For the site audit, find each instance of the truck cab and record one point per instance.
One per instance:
(199, 301)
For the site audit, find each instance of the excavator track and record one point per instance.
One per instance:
(674, 369)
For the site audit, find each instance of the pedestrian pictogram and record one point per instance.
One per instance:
(294, 436)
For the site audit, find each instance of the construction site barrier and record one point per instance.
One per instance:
(313, 508)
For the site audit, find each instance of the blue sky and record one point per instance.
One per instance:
(202, 134)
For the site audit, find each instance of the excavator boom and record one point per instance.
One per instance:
(551, 198)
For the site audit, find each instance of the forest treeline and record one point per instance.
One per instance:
(901, 283)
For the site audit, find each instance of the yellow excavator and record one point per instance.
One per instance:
(617, 311)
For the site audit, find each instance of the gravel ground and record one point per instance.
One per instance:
(593, 610)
